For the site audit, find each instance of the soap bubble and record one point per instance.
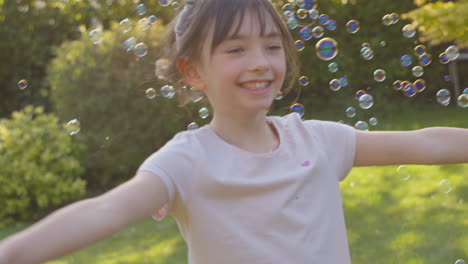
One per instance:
(443, 97)
(383, 43)
(153, 19)
(73, 127)
(141, 50)
(22, 84)
(417, 71)
(318, 31)
(168, 91)
(192, 126)
(204, 112)
(444, 58)
(287, 7)
(309, 5)
(165, 2)
(292, 23)
(297, 108)
(452, 52)
(313, 14)
(387, 20)
(353, 26)
(420, 85)
(409, 90)
(333, 67)
(141, 9)
(447, 78)
(361, 125)
(331, 25)
(300, 45)
(126, 25)
(373, 121)
(96, 36)
(344, 81)
(367, 53)
(460, 261)
(419, 50)
(408, 31)
(323, 19)
(196, 95)
(462, 100)
(302, 14)
(129, 44)
(326, 48)
(350, 112)
(465, 91)
(335, 85)
(304, 80)
(445, 186)
(404, 172)
(366, 101)
(360, 93)
(150, 93)
(394, 17)
(406, 60)
(379, 75)
(144, 23)
(425, 59)
(305, 33)
(397, 85)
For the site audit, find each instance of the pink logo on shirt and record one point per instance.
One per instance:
(305, 163)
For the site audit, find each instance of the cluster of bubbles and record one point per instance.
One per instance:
(445, 186)
(304, 15)
(126, 25)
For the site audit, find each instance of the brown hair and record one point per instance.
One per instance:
(189, 29)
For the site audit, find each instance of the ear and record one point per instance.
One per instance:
(190, 73)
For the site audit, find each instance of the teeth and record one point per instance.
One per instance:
(257, 85)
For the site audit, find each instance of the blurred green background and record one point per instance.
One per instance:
(49, 44)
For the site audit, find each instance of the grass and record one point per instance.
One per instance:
(394, 215)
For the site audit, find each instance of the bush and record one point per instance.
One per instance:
(103, 86)
(39, 168)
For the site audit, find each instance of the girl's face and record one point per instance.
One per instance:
(245, 72)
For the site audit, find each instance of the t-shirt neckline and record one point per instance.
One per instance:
(269, 120)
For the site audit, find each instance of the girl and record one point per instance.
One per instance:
(247, 188)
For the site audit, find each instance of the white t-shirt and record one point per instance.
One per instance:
(284, 207)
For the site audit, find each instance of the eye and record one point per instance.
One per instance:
(275, 47)
(236, 50)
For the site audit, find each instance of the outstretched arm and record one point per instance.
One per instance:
(85, 222)
(434, 145)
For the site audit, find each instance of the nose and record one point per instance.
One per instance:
(259, 61)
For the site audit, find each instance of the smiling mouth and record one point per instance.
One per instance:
(256, 85)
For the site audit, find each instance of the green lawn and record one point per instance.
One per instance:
(407, 215)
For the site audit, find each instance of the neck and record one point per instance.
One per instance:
(249, 132)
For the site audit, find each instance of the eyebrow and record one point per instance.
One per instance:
(271, 35)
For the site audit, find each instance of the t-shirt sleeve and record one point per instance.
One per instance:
(172, 163)
(339, 143)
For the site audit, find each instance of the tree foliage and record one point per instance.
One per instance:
(442, 22)
(31, 30)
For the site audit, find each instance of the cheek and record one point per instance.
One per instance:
(281, 68)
